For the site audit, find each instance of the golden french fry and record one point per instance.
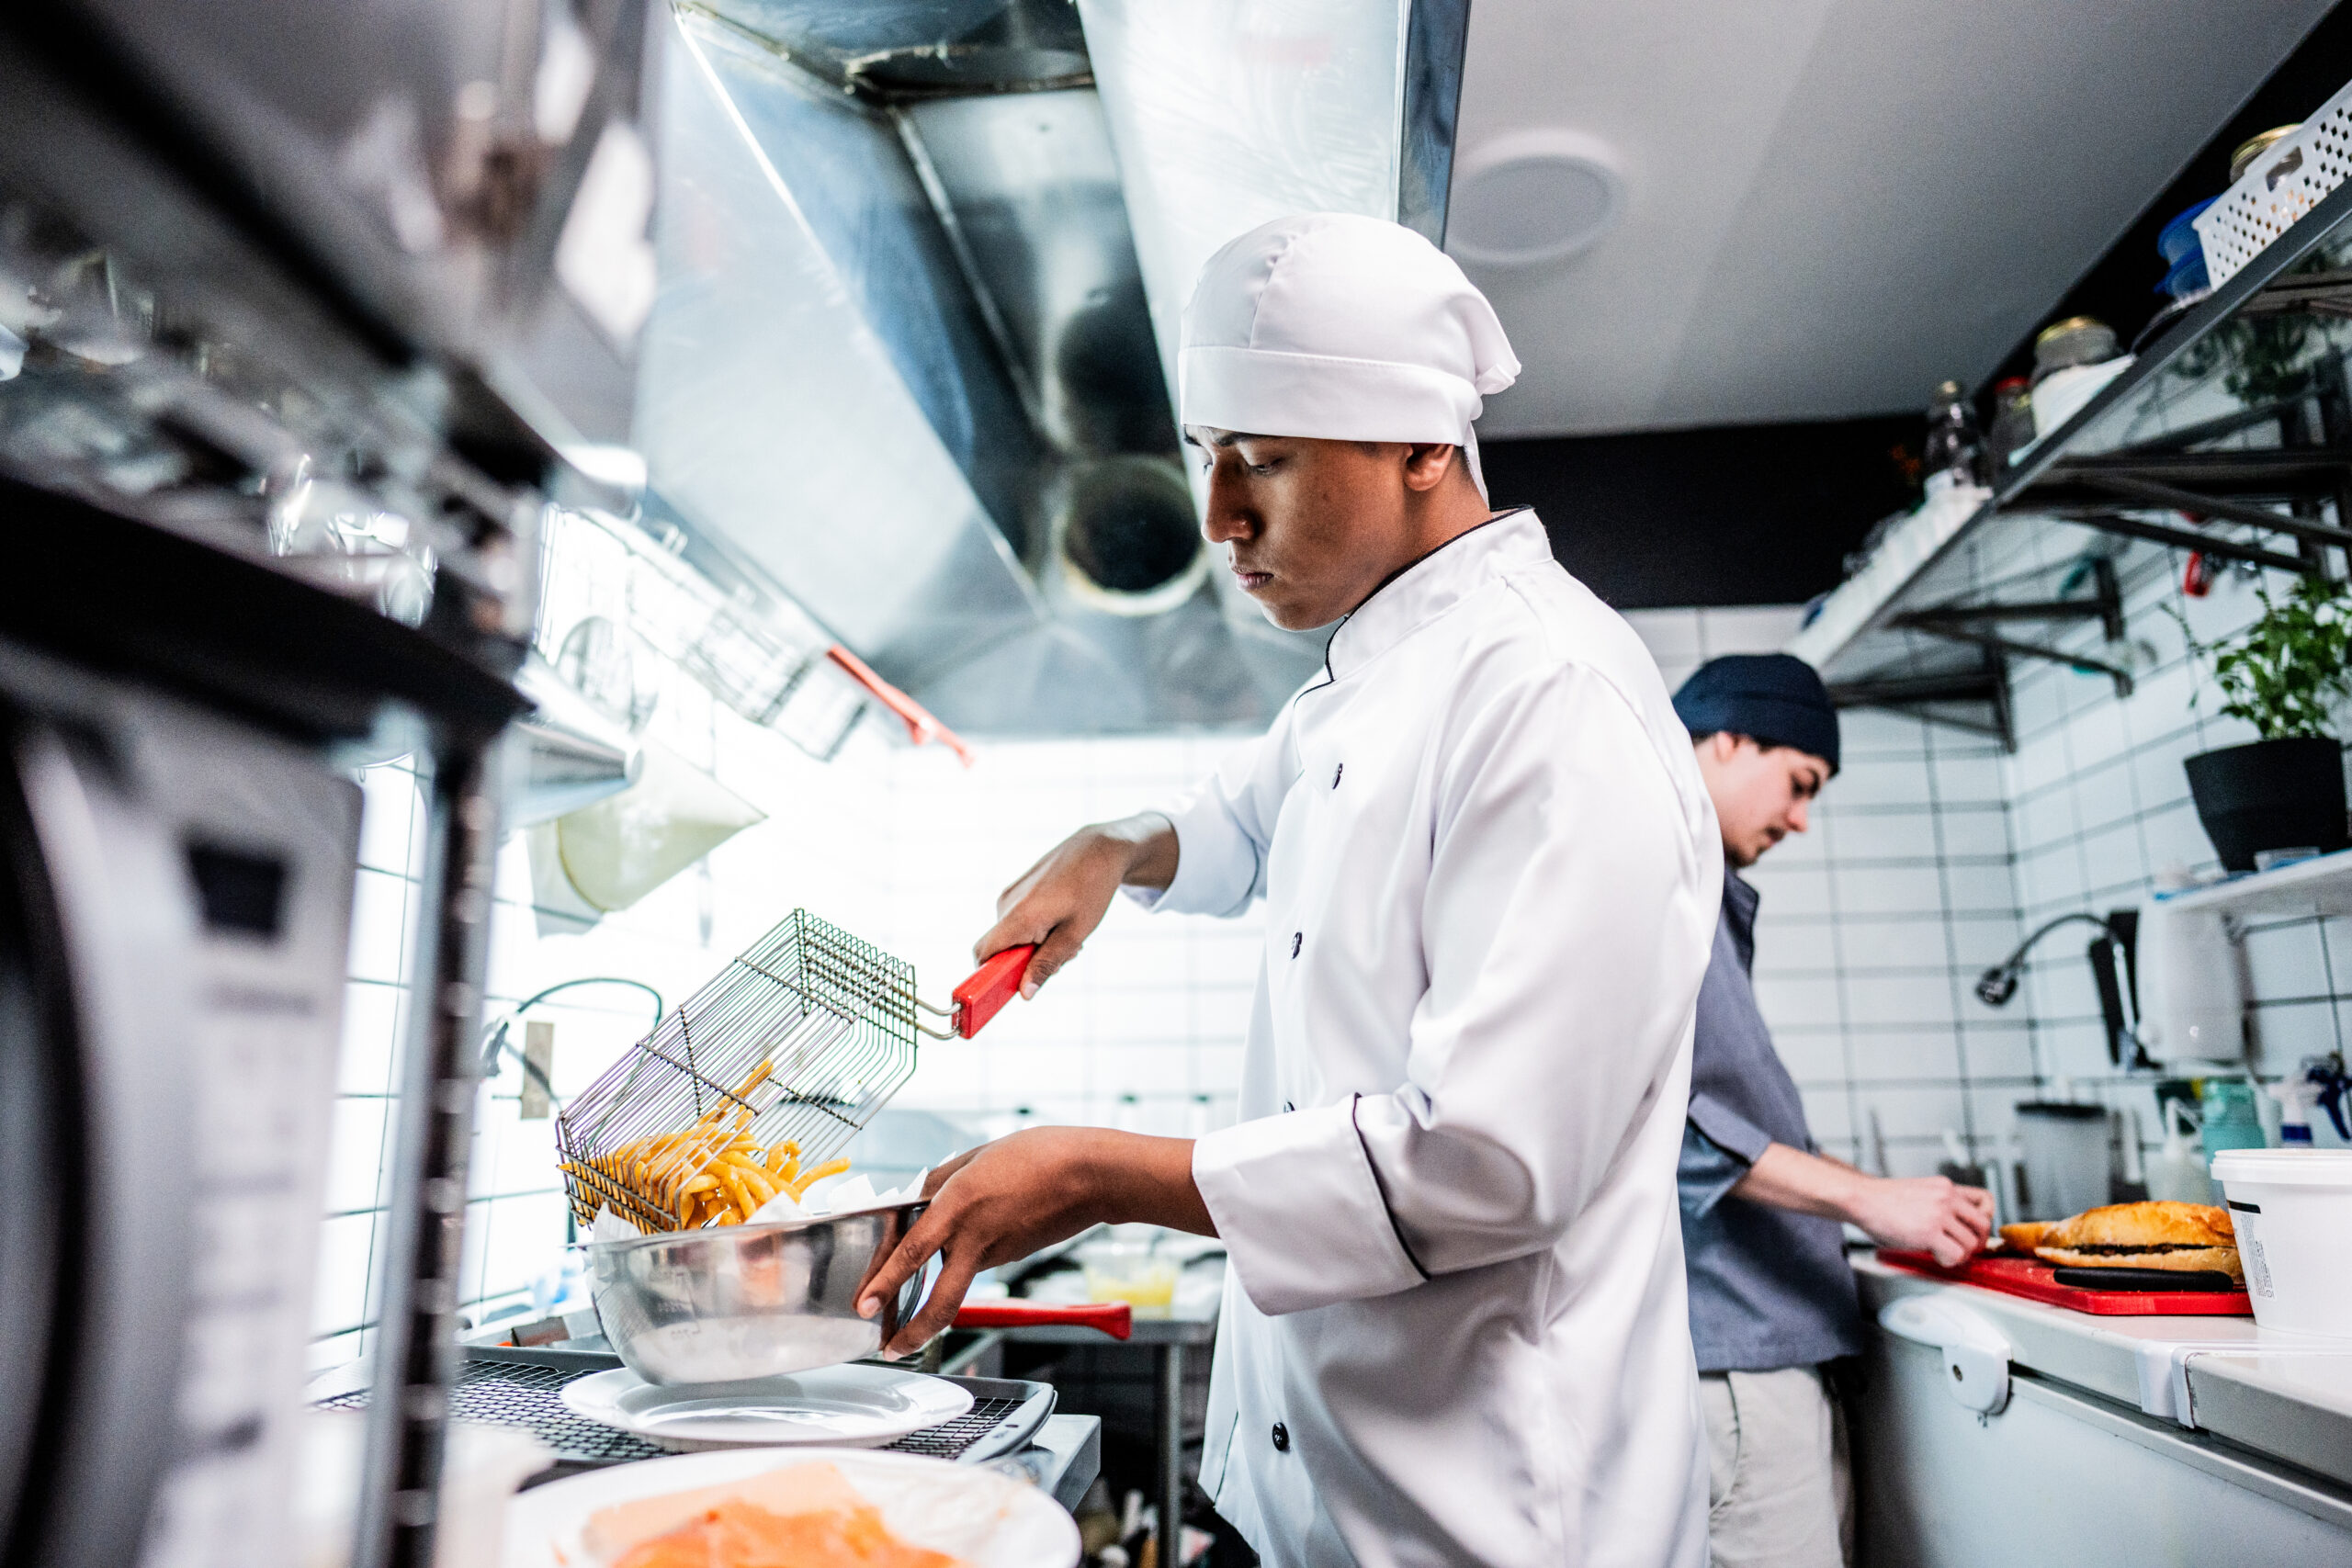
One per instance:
(755, 1181)
(684, 1161)
(712, 1172)
(800, 1184)
(732, 1187)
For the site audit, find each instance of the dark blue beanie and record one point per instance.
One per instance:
(1774, 699)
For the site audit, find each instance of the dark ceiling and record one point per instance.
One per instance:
(1748, 514)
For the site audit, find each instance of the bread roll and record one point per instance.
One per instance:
(2027, 1234)
(2145, 1224)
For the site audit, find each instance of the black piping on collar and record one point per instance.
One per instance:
(1331, 677)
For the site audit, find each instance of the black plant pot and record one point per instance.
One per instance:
(2271, 794)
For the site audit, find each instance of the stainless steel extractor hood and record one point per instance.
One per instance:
(907, 364)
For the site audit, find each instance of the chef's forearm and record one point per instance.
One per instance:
(1147, 841)
(1786, 1178)
(1146, 1180)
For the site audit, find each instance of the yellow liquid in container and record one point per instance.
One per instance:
(1145, 1283)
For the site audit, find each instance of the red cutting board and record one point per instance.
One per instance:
(2031, 1279)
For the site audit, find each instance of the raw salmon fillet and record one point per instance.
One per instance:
(737, 1534)
(804, 1516)
(815, 1488)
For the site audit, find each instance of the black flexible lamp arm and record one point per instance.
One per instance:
(497, 1042)
(1998, 984)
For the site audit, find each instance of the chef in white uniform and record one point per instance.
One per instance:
(1455, 1328)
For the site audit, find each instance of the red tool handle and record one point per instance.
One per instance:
(991, 986)
(920, 725)
(1113, 1318)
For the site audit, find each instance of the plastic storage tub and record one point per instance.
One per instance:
(2292, 1209)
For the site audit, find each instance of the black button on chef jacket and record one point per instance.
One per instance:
(1768, 1287)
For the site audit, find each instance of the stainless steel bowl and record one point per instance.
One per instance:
(738, 1302)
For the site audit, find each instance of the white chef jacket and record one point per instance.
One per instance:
(1455, 1328)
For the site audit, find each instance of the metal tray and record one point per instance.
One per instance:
(503, 1386)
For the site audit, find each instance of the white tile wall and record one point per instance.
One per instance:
(1875, 922)
(904, 847)
(1928, 855)
(2101, 808)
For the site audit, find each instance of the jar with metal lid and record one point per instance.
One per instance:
(2077, 340)
(2255, 146)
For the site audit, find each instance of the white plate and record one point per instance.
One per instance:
(847, 1406)
(990, 1520)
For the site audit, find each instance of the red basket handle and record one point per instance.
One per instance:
(993, 983)
(1113, 1318)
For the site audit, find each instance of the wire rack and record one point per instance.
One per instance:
(508, 1394)
(797, 1040)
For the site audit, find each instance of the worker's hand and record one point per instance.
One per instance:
(1056, 903)
(1923, 1214)
(1003, 1200)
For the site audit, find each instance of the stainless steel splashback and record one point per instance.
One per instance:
(907, 364)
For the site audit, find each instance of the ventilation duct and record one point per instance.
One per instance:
(1125, 539)
(907, 366)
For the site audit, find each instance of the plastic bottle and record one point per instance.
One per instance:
(1955, 453)
(2233, 1120)
(2012, 418)
(2295, 1096)
(2177, 1171)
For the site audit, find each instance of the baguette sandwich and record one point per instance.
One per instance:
(2189, 1238)
(2024, 1236)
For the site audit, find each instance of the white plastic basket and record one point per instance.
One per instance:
(2287, 181)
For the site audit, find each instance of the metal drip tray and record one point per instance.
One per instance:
(505, 1387)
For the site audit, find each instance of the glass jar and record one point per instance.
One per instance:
(2077, 340)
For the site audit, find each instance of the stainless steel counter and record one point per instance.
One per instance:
(2130, 1439)
(2287, 1395)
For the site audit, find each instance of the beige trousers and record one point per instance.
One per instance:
(1779, 1493)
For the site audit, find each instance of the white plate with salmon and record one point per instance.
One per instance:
(790, 1508)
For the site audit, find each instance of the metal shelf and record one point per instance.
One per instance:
(2320, 886)
(2195, 446)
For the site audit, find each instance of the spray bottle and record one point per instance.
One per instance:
(2295, 1096)
(2177, 1171)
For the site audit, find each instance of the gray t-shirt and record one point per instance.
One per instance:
(1768, 1287)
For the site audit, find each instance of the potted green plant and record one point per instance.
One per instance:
(2283, 675)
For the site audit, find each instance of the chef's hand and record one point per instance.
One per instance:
(1925, 1213)
(1058, 902)
(1003, 1200)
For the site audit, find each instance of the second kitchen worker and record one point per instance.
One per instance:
(1454, 1327)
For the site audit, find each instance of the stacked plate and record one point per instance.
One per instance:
(849, 1407)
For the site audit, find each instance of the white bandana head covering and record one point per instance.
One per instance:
(1343, 328)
